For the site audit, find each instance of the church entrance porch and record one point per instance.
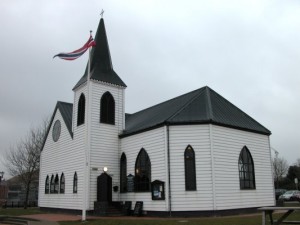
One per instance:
(104, 205)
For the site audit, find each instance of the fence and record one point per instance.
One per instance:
(17, 204)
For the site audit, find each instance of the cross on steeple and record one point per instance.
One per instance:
(102, 12)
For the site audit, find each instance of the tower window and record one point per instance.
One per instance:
(107, 109)
(81, 110)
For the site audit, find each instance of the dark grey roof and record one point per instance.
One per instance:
(202, 106)
(66, 110)
(101, 64)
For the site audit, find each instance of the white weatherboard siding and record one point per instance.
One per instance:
(227, 144)
(198, 137)
(104, 140)
(63, 156)
(154, 143)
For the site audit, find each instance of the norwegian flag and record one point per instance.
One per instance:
(79, 52)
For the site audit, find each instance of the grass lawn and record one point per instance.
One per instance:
(19, 211)
(234, 220)
(229, 220)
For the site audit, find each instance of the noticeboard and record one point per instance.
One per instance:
(138, 208)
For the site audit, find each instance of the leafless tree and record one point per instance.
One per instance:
(298, 162)
(23, 159)
(280, 168)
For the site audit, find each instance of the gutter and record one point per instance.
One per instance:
(169, 171)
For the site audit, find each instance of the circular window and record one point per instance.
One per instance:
(56, 130)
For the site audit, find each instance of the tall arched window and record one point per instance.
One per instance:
(62, 184)
(190, 169)
(107, 109)
(47, 185)
(52, 184)
(123, 173)
(81, 110)
(142, 180)
(75, 183)
(56, 184)
(246, 170)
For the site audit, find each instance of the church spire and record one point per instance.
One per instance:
(101, 59)
(101, 64)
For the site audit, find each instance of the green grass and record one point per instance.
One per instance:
(19, 211)
(234, 220)
(230, 220)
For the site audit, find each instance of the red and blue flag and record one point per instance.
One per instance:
(79, 52)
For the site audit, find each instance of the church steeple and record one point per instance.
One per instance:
(101, 64)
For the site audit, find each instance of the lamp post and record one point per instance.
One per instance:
(1, 176)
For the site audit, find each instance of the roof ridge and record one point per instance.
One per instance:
(209, 111)
(200, 91)
(164, 102)
(243, 113)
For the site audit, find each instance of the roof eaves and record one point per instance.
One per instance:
(202, 122)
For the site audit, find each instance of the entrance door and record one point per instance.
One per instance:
(104, 188)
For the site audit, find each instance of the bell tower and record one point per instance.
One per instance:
(105, 115)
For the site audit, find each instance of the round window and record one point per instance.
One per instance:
(56, 130)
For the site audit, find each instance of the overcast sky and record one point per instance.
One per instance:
(247, 51)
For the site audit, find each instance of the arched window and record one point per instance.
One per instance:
(190, 169)
(56, 184)
(107, 109)
(62, 184)
(142, 180)
(75, 183)
(52, 184)
(47, 185)
(246, 170)
(123, 173)
(81, 110)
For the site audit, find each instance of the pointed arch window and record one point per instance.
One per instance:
(47, 185)
(123, 173)
(246, 169)
(75, 181)
(56, 184)
(81, 110)
(190, 169)
(62, 184)
(52, 184)
(142, 182)
(107, 109)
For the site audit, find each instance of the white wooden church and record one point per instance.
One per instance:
(196, 153)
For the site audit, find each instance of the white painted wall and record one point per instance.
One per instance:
(154, 143)
(227, 144)
(64, 156)
(198, 137)
(104, 139)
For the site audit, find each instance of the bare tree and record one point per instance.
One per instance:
(280, 168)
(298, 162)
(23, 159)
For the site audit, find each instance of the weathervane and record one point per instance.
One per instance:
(102, 12)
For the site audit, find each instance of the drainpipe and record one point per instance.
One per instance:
(169, 171)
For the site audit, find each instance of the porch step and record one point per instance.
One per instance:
(108, 209)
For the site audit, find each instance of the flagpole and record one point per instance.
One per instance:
(87, 150)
